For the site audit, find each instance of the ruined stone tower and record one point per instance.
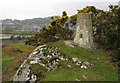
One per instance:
(83, 34)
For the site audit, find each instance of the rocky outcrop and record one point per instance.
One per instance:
(48, 58)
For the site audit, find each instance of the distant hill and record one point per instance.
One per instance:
(36, 21)
(27, 24)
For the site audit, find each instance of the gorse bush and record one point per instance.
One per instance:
(57, 30)
(111, 39)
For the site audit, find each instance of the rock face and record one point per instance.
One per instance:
(83, 34)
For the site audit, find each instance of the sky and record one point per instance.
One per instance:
(28, 9)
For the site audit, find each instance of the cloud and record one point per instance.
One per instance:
(25, 9)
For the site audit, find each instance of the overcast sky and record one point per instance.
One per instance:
(28, 9)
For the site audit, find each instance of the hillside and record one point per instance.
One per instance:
(27, 24)
(36, 21)
(101, 69)
(58, 62)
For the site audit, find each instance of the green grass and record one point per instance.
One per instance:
(100, 71)
(12, 58)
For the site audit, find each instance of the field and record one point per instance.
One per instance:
(13, 56)
(102, 69)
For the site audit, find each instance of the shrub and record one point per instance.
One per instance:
(116, 57)
(111, 38)
(58, 30)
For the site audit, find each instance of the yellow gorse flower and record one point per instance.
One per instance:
(48, 28)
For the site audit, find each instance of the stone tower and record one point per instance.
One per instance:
(84, 34)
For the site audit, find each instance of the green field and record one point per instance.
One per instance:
(102, 69)
(13, 56)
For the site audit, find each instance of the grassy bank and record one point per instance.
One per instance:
(13, 56)
(102, 69)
